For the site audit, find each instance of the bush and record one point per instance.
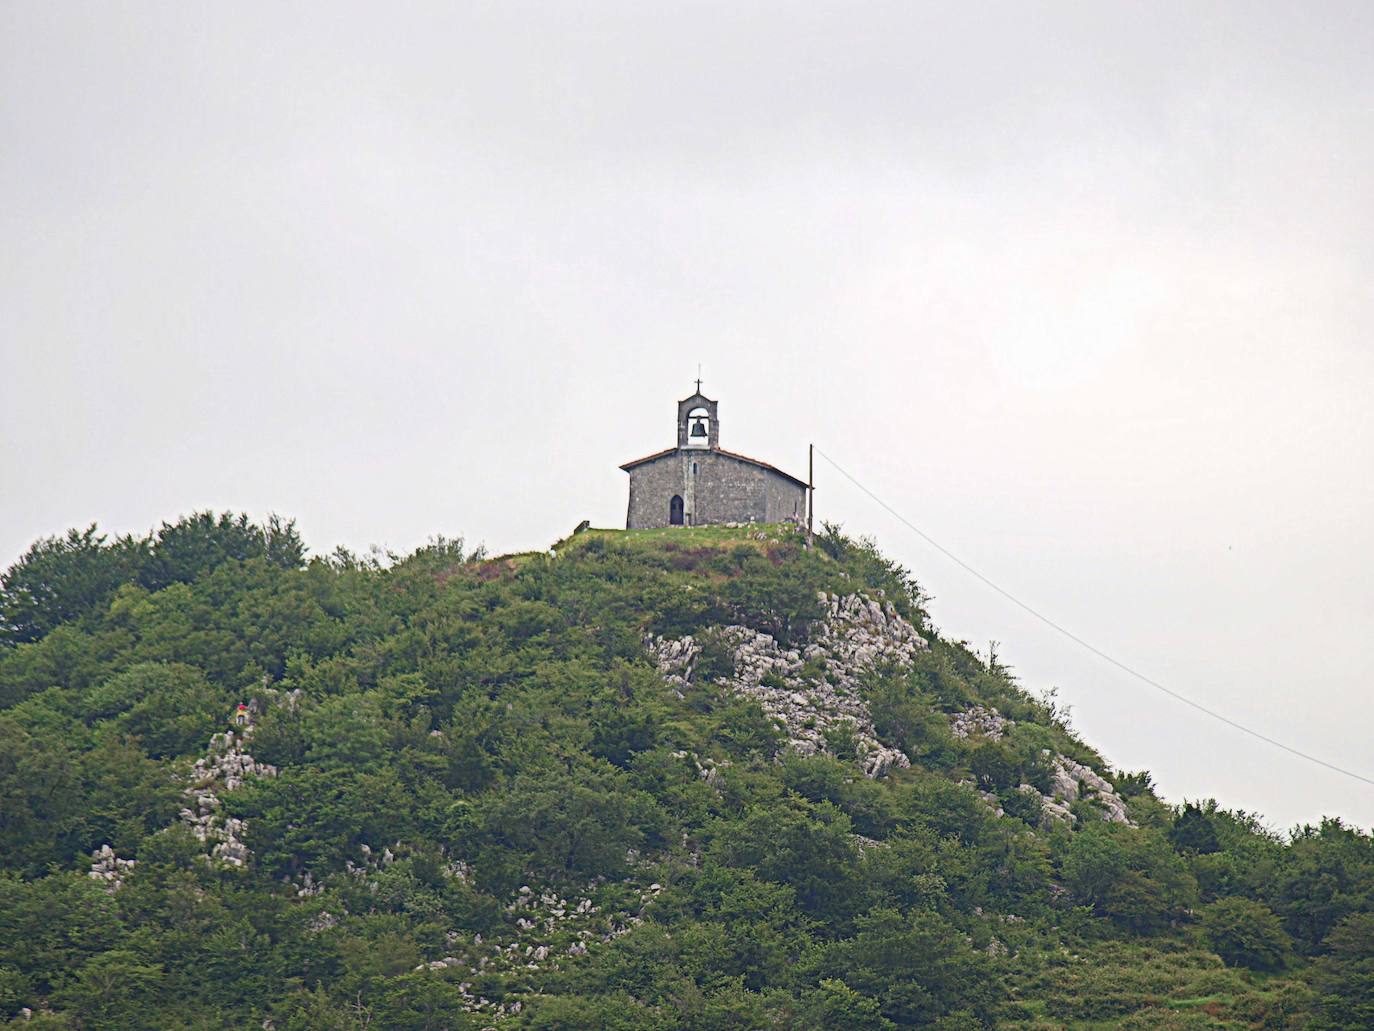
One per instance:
(994, 766)
(1024, 805)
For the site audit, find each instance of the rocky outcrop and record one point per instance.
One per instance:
(1070, 780)
(1051, 808)
(108, 867)
(815, 693)
(227, 764)
(1073, 780)
(979, 721)
(548, 930)
(858, 633)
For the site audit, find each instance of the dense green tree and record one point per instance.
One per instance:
(115, 989)
(1326, 875)
(169, 708)
(51, 926)
(994, 766)
(1245, 933)
(833, 1004)
(1344, 974)
(1126, 875)
(61, 578)
(807, 847)
(196, 544)
(580, 822)
(1193, 831)
(917, 966)
(307, 819)
(42, 812)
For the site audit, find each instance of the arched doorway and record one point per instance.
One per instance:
(675, 511)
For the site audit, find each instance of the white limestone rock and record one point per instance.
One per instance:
(226, 766)
(1073, 780)
(979, 721)
(855, 635)
(109, 868)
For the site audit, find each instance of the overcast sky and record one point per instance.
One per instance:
(1084, 290)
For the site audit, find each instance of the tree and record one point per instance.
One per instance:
(805, 846)
(310, 819)
(115, 989)
(580, 822)
(181, 552)
(51, 926)
(169, 707)
(40, 784)
(1193, 831)
(833, 1004)
(421, 1002)
(1128, 875)
(778, 600)
(917, 966)
(61, 578)
(609, 1011)
(1326, 874)
(1344, 976)
(1245, 933)
(994, 766)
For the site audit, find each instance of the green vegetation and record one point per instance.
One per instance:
(490, 808)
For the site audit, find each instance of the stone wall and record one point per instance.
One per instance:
(724, 489)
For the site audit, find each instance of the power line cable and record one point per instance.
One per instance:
(1085, 644)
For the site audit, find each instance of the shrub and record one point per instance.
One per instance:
(1024, 805)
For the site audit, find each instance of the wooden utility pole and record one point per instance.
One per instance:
(810, 493)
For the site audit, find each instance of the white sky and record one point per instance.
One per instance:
(1083, 289)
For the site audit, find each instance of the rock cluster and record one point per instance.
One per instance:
(859, 632)
(707, 769)
(856, 635)
(1051, 808)
(225, 767)
(1070, 780)
(979, 721)
(1073, 780)
(108, 867)
(372, 859)
(550, 928)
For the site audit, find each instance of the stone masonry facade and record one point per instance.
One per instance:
(703, 485)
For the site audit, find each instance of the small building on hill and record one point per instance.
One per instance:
(698, 483)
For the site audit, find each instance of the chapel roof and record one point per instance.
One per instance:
(717, 451)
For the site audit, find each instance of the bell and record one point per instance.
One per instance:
(698, 428)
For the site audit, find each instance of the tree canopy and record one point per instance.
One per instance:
(460, 793)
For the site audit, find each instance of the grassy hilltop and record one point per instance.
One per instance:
(689, 778)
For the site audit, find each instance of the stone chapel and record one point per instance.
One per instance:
(697, 482)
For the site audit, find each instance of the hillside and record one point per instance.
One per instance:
(695, 778)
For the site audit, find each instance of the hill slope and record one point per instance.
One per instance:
(701, 778)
